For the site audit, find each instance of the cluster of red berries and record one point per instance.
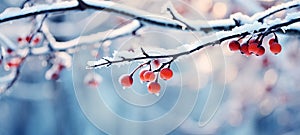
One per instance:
(150, 76)
(253, 46)
(29, 39)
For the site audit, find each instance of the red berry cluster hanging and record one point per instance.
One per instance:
(254, 46)
(33, 40)
(149, 75)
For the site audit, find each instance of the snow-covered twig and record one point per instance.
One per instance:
(237, 25)
(247, 29)
(112, 34)
(289, 5)
(144, 16)
(12, 77)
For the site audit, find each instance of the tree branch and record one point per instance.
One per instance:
(112, 34)
(219, 37)
(145, 17)
(11, 78)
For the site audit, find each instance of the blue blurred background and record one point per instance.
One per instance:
(258, 95)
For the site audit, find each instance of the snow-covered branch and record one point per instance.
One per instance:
(145, 17)
(14, 61)
(257, 29)
(238, 25)
(103, 36)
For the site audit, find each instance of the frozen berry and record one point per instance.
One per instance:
(166, 73)
(36, 40)
(142, 78)
(244, 49)
(93, 83)
(28, 38)
(261, 51)
(275, 48)
(9, 51)
(126, 80)
(156, 62)
(272, 41)
(252, 41)
(234, 45)
(19, 39)
(149, 76)
(153, 87)
(55, 76)
(60, 67)
(253, 47)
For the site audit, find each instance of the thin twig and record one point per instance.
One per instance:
(265, 31)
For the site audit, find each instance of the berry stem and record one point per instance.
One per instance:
(241, 37)
(249, 39)
(156, 79)
(140, 66)
(164, 64)
(276, 38)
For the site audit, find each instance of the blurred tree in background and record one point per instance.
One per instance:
(48, 86)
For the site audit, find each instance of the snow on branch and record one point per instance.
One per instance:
(238, 25)
(257, 28)
(17, 13)
(146, 17)
(13, 61)
(127, 29)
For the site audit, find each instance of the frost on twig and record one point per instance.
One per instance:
(146, 17)
(238, 25)
(255, 28)
(92, 38)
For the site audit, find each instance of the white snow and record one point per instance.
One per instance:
(89, 39)
(11, 12)
(249, 24)
(204, 40)
(7, 42)
(275, 8)
(8, 77)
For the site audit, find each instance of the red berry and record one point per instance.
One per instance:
(156, 62)
(275, 48)
(261, 51)
(15, 62)
(272, 41)
(142, 75)
(60, 67)
(153, 87)
(36, 40)
(244, 49)
(19, 39)
(252, 41)
(149, 76)
(9, 51)
(126, 80)
(55, 76)
(166, 73)
(28, 38)
(92, 79)
(253, 47)
(93, 83)
(234, 45)
(12, 64)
